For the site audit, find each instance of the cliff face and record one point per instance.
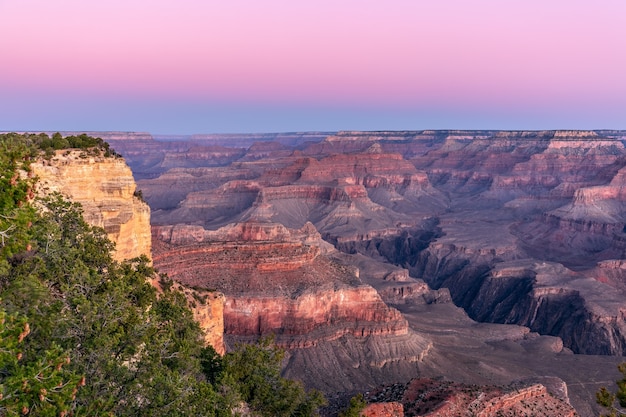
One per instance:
(320, 315)
(276, 281)
(105, 188)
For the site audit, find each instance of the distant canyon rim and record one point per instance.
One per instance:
(483, 257)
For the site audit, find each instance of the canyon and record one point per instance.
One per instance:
(483, 257)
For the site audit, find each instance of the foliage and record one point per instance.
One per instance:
(40, 144)
(253, 371)
(38, 385)
(139, 194)
(82, 334)
(357, 404)
(607, 399)
(15, 192)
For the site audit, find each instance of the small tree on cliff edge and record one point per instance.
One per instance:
(607, 399)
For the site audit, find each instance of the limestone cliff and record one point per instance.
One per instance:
(105, 187)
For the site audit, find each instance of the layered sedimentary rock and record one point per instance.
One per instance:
(320, 315)
(426, 397)
(276, 281)
(343, 195)
(551, 196)
(522, 228)
(105, 187)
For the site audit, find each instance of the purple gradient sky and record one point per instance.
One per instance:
(194, 66)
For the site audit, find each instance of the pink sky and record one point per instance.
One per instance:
(240, 66)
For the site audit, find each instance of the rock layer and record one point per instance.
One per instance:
(425, 397)
(519, 227)
(106, 189)
(276, 281)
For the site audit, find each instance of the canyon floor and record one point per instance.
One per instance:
(481, 257)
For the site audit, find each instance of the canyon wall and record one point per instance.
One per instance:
(277, 281)
(105, 187)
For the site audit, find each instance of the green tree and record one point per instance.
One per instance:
(37, 385)
(607, 399)
(357, 404)
(253, 371)
(140, 353)
(59, 142)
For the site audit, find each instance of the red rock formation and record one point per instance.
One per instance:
(383, 410)
(315, 316)
(456, 208)
(430, 398)
(277, 282)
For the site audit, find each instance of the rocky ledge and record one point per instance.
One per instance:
(276, 281)
(438, 398)
(105, 187)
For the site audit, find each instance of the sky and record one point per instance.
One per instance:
(242, 66)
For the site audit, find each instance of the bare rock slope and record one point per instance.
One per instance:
(276, 281)
(105, 187)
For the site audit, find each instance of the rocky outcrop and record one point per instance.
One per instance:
(105, 187)
(276, 281)
(208, 311)
(392, 409)
(321, 315)
(426, 397)
(207, 308)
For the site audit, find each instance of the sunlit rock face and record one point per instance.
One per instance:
(105, 187)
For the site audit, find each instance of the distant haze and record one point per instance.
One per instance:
(275, 65)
